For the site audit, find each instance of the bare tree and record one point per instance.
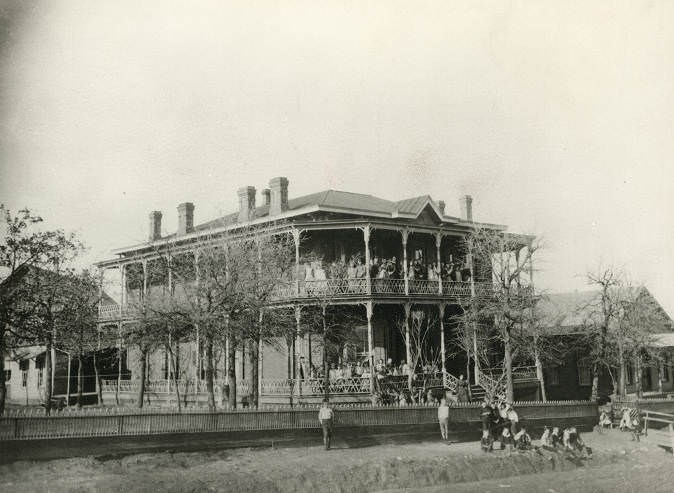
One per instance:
(505, 260)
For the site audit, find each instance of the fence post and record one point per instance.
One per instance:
(671, 436)
(646, 424)
(16, 428)
(120, 424)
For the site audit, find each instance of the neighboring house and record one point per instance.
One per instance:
(407, 237)
(24, 366)
(567, 316)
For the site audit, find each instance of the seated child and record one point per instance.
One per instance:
(555, 438)
(626, 421)
(522, 439)
(636, 428)
(487, 442)
(507, 441)
(605, 421)
(546, 438)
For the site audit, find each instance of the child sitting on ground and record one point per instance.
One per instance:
(546, 439)
(604, 421)
(522, 439)
(555, 438)
(487, 441)
(507, 440)
(636, 428)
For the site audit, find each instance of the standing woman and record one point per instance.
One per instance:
(462, 390)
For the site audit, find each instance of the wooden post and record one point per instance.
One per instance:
(405, 233)
(408, 357)
(370, 341)
(441, 309)
(144, 264)
(296, 238)
(68, 384)
(671, 436)
(476, 370)
(438, 243)
(366, 238)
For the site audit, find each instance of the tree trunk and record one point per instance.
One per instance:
(174, 377)
(119, 372)
(539, 371)
(209, 373)
(508, 363)
(143, 371)
(3, 386)
(47, 378)
(79, 381)
(639, 378)
(253, 350)
(326, 364)
(99, 389)
(231, 376)
(594, 395)
(622, 378)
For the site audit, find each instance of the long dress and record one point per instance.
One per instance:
(462, 391)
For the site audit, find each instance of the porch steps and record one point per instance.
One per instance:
(477, 392)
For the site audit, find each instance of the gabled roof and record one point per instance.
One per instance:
(570, 312)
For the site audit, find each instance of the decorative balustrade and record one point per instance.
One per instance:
(169, 386)
(315, 386)
(356, 288)
(450, 381)
(520, 374)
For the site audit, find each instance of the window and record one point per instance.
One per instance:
(666, 362)
(23, 366)
(552, 375)
(40, 377)
(584, 375)
(8, 375)
(629, 377)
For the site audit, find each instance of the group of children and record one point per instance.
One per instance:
(502, 421)
(630, 422)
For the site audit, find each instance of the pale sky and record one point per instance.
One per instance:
(557, 117)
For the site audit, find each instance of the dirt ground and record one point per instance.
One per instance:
(618, 465)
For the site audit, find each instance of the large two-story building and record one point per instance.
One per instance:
(413, 247)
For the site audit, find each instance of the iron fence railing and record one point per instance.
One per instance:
(169, 386)
(73, 425)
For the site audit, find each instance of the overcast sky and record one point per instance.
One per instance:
(557, 117)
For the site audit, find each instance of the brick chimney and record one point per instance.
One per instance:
(441, 206)
(185, 218)
(266, 194)
(155, 226)
(279, 195)
(466, 207)
(246, 204)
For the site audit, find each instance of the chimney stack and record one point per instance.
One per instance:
(279, 195)
(466, 207)
(246, 204)
(266, 194)
(441, 206)
(155, 226)
(185, 218)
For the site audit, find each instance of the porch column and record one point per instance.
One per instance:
(198, 351)
(366, 238)
(476, 369)
(441, 309)
(408, 355)
(144, 264)
(405, 233)
(259, 365)
(438, 243)
(296, 238)
(298, 346)
(68, 383)
(370, 341)
(122, 296)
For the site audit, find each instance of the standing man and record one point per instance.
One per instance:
(486, 415)
(325, 418)
(443, 418)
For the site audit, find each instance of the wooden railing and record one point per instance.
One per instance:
(126, 422)
(169, 386)
(345, 288)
